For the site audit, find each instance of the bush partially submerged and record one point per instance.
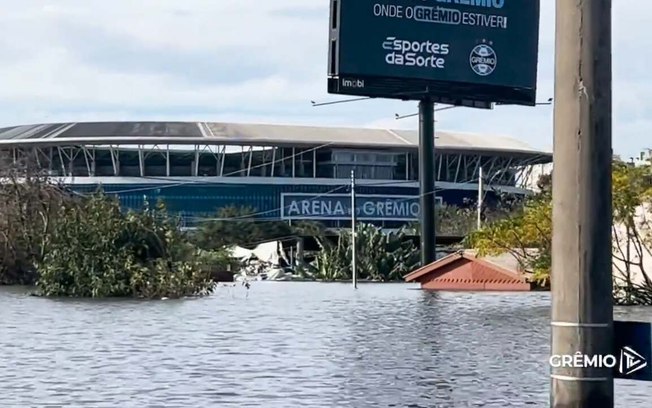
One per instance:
(76, 246)
(380, 256)
(95, 250)
(27, 211)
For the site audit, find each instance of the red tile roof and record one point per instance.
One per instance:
(454, 272)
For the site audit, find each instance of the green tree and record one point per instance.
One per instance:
(27, 215)
(632, 233)
(462, 220)
(527, 235)
(95, 250)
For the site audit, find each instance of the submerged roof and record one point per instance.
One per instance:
(250, 134)
(464, 270)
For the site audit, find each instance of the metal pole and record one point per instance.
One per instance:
(480, 197)
(582, 310)
(300, 252)
(354, 271)
(427, 180)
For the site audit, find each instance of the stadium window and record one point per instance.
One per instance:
(386, 158)
(401, 169)
(365, 172)
(384, 173)
(342, 171)
(343, 157)
(304, 167)
(257, 164)
(325, 170)
(363, 158)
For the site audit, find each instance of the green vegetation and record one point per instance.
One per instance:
(97, 251)
(380, 257)
(27, 216)
(73, 246)
(457, 221)
(527, 234)
(384, 257)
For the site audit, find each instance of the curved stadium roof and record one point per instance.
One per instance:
(211, 133)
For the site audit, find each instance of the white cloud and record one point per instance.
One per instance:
(250, 61)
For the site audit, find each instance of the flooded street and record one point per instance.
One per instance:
(285, 345)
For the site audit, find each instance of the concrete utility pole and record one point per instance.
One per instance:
(427, 180)
(582, 309)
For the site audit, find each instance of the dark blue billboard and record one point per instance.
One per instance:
(479, 50)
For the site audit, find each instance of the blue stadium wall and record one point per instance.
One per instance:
(195, 202)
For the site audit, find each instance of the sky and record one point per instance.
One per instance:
(255, 61)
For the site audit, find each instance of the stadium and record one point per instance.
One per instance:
(281, 172)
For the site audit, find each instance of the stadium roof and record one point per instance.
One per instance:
(205, 133)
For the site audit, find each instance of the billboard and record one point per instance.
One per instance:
(338, 207)
(453, 51)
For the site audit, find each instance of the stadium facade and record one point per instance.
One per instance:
(282, 172)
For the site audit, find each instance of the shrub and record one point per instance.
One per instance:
(97, 251)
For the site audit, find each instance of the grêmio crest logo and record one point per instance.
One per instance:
(483, 59)
(422, 54)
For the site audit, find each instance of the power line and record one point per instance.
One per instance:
(317, 196)
(233, 173)
(332, 191)
(317, 104)
(203, 182)
(411, 115)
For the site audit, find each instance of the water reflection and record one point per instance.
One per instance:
(285, 345)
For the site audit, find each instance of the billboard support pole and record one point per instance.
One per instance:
(427, 180)
(581, 278)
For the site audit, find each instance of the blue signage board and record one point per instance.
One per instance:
(633, 350)
(338, 207)
(480, 50)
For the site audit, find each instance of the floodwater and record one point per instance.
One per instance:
(285, 345)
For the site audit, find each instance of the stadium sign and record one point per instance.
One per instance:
(464, 52)
(338, 207)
